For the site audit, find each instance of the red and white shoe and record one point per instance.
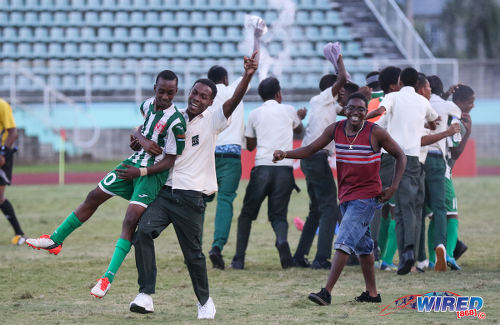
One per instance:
(101, 288)
(44, 242)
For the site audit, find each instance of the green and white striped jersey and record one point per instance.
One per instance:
(165, 127)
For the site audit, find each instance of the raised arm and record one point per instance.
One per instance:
(385, 141)
(307, 151)
(432, 138)
(250, 66)
(341, 77)
(457, 151)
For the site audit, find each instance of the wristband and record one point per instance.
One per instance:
(285, 154)
(143, 171)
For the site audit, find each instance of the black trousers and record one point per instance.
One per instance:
(183, 209)
(276, 183)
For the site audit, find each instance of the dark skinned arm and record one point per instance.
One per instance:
(341, 77)
(432, 138)
(376, 112)
(150, 146)
(131, 172)
(384, 140)
(11, 137)
(457, 151)
(250, 65)
(309, 150)
(251, 143)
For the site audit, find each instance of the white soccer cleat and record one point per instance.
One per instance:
(44, 242)
(142, 304)
(207, 311)
(101, 288)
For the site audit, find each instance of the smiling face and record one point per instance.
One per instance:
(199, 99)
(356, 111)
(165, 91)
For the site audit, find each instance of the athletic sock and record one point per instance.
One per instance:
(66, 228)
(430, 242)
(451, 235)
(392, 244)
(8, 211)
(121, 250)
(383, 234)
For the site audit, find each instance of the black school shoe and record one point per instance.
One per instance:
(322, 298)
(318, 265)
(365, 297)
(216, 258)
(286, 259)
(459, 249)
(297, 262)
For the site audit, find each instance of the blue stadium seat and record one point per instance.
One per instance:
(152, 17)
(121, 17)
(153, 33)
(94, 4)
(106, 18)
(216, 3)
(151, 49)
(213, 49)
(196, 17)
(72, 33)
(184, 33)
(233, 33)
(70, 50)
(229, 49)
(124, 4)
(302, 17)
(168, 33)
(181, 49)
(166, 48)
(104, 33)
(317, 16)
(226, 16)
(333, 17)
(88, 33)
(327, 33)
(9, 33)
(98, 81)
(181, 17)
(166, 16)
(86, 50)
(201, 33)
(201, 3)
(31, 18)
(136, 33)
(78, 4)
(55, 50)
(61, 18)
(91, 17)
(24, 50)
(118, 49)
(25, 33)
(102, 49)
(128, 81)
(61, 4)
(185, 3)
(8, 49)
(41, 33)
(75, 18)
(120, 33)
(270, 16)
(217, 32)
(16, 18)
(197, 49)
(56, 33)
(312, 32)
(133, 49)
(140, 4)
(108, 4)
(46, 18)
(136, 17)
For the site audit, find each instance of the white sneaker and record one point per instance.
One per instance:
(142, 304)
(207, 311)
(101, 288)
(423, 264)
(440, 258)
(44, 242)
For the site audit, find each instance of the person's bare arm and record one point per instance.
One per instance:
(307, 151)
(11, 137)
(457, 151)
(376, 112)
(131, 172)
(251, 143)
(341, 77)
(150, 146)
(385, 141)
(250, 65)
(432, 138)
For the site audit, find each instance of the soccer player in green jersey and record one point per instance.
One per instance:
(162, 140)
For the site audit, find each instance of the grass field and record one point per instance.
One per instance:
(43, 289)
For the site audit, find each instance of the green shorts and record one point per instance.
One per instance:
(450, 200)
(141, 190)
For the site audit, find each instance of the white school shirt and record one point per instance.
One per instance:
(195, 168)
(445, 109)
(272, 124)
(233, 134)
(407, 111)
(323, 110)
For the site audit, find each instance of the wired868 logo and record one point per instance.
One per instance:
(446, 301)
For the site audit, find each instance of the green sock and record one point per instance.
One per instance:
(392, 244)
(451, 235)
(66, 228)
(121, 250)
(430, 242)
(383, 234)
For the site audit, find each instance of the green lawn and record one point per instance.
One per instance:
(46, 289)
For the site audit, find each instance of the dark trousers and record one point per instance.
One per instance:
(435, 168)
(419, 221)
(323, 208)
(184, 209)
(276, 183)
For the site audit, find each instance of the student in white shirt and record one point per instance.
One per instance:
(406, 114)
(269, 126)
(323, 208)
(180, 202)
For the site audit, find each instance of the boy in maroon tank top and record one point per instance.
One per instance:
(357, 143)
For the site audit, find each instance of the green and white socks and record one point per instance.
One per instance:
(121, 250)
(70, 224)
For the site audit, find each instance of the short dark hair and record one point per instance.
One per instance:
(387, 77)
(217, 74)
(462, 93)
(436, 85)
(358, 95)
(351, 87)
(209, 83)
(268, 88)
(167, 75)
(327, 81)
(372, 84)
(409, 77)
(421, 80)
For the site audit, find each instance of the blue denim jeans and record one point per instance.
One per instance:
(354, 231)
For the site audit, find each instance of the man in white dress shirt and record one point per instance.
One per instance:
(180, 202)
(269, 126)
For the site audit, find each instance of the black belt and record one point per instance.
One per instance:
(435, 154)
(179, 191)
(227, 155)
